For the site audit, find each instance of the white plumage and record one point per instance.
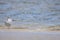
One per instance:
(9, 20)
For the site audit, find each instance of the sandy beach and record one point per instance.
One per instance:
(16, 34)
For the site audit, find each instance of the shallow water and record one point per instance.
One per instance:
(30, 12)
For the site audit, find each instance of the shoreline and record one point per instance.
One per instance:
(25, 30)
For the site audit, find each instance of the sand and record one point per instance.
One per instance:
(25, 34)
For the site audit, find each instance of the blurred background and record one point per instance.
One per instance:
(30, 13)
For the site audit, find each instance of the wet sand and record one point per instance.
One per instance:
(12, 34)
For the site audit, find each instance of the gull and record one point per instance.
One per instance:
(8, 22)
